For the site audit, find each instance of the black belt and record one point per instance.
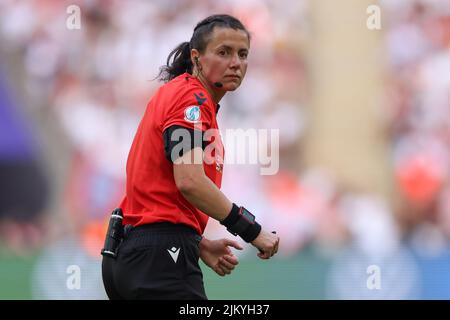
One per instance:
(147, 230)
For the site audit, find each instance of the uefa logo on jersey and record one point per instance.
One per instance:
(192, 114)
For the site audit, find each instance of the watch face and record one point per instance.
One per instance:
(248, 215)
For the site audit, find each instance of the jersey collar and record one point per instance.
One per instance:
(188, 76)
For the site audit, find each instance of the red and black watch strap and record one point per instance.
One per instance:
(242, 222)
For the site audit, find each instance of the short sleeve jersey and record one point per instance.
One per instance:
(151, 193)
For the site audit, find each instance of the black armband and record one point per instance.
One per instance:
(182, 138)
(242, 222)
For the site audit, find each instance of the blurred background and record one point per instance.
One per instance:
(361, 200)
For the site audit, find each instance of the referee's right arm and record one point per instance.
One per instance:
(202, 193)
(197, 188)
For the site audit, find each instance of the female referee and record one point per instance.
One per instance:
(169, 193)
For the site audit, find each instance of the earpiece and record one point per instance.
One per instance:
(197, 63)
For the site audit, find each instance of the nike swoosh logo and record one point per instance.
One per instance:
(200, 100)
(174, 253)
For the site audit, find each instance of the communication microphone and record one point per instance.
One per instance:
(216, 84)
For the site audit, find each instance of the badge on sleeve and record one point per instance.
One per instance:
(192, 114)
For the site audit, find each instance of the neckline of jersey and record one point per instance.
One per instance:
(190, 76)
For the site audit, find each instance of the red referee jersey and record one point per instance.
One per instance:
(151, 193)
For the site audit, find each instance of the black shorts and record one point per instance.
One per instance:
(156, 261)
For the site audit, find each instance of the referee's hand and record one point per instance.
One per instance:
(267, 243)
(217, 255)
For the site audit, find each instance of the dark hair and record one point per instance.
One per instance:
(181, 55)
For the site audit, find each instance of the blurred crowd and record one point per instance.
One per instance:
(418, 109)
(94, 84)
